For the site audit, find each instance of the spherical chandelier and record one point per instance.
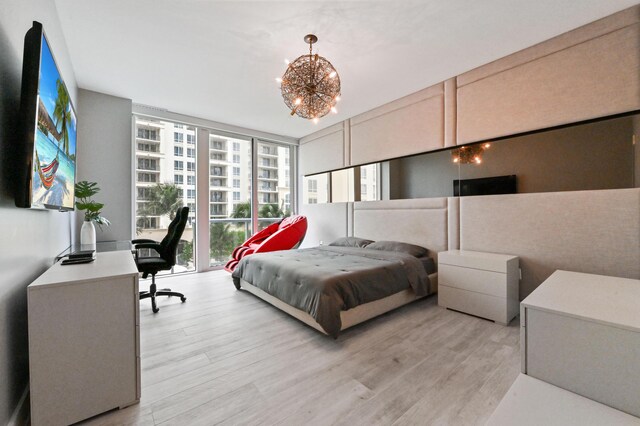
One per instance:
(310, 86)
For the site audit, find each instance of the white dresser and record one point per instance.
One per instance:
(581, 332)
(84, 346)
(480, 284)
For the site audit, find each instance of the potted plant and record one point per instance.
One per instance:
(84, 191)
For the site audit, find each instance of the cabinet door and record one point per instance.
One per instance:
(323, 151)
(410, 125)
(596, 78)
(82, 349)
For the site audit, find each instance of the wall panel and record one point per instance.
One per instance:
(593, 79)
(323, 151)
(410, 125)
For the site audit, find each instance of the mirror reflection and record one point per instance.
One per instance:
(589, 156)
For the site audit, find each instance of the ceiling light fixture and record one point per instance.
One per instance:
(311, 85)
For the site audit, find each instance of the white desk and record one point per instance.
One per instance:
(532, 402)
(581, 332)
(84, 339)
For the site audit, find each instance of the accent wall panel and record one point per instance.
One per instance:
(596, 232)
(592, 79)
(323, 151)
(410, 125)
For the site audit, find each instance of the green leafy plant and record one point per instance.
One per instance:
(84, 191)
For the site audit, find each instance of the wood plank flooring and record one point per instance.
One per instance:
(227, 357)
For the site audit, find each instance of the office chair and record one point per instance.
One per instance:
(167, 250)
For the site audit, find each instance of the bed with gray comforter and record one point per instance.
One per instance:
(323, 281)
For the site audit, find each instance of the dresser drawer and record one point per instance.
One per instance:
(479, 281)
(482, 305)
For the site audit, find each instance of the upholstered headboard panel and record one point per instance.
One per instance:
(417, 221)
(326, 223)
(586, 231)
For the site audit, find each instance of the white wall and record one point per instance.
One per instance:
(105, 156)
(30, 238)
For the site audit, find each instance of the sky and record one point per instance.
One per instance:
(49, 74)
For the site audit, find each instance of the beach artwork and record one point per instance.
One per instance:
(54, 151)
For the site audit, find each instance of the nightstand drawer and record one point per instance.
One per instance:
(481, 305)
(479, 281)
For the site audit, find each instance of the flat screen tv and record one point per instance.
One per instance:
(47, 130)
(485, 186)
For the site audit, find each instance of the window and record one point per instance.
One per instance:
(148, 147)
(191, 139)
(144, 193)
(236, 183)
(148, 177)
(217, 145)
(147, 164)
(236, 146)
(363, 189)
(191, 180)
(363, 172)
(236, 158)
(191, 166)
(147, 223)
(178, 126)
(216, 171)
(180, 192)
(151, 134)
(312, 185)
(191, 152)
(178, 165)
(178, 137)
(191, 193)
(312, 201)
(178, 151)
(236, 196)
(178, 179)
(236, 171)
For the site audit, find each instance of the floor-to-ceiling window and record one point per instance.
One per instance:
(230, 214)
(165, 171)
(244, 184)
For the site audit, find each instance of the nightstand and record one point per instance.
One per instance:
(480, 284)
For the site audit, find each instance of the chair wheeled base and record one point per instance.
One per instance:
(152, 293)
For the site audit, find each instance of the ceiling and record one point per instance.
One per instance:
(218, 60)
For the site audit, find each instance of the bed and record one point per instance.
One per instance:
(332, 288)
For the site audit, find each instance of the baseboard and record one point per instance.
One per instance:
(20, 416)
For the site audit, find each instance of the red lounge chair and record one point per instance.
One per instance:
(284, 235)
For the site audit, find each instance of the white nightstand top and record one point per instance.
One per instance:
(597, 298)
(476, 259)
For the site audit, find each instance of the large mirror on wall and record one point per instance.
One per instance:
(601, 154)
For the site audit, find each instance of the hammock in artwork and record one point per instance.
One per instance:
(47, 172)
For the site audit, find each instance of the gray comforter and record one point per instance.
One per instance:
(323, 281)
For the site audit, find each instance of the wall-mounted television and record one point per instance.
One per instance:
(485, 186)
(47, 130)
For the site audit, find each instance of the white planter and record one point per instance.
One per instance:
(88, 235)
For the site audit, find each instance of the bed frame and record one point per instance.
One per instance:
(417, 221)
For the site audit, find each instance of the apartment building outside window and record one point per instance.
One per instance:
(233, 212)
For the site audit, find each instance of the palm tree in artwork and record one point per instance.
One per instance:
(62, 114)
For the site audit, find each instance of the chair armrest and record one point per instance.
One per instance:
(283, 240)
(142, 240)
(155, 246)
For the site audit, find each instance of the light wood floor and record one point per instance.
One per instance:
(226, 357)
